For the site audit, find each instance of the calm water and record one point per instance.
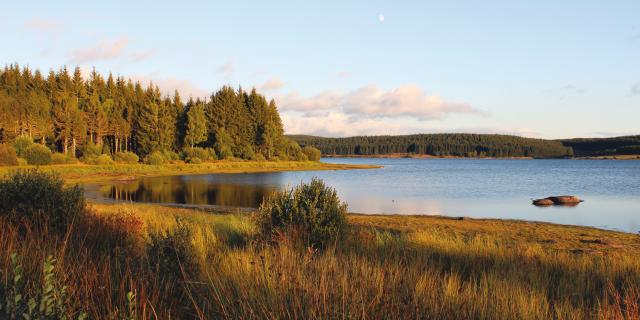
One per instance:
(453, 187)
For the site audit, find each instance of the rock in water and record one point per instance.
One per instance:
(542, 202)
(557, 200)
(564, 199)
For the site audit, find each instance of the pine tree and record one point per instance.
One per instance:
(196, 125)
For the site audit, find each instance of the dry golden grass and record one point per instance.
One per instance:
(390, 267)
(83, 173)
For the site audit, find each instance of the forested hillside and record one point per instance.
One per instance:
(458, 144)
(627, 145)
(70, 114)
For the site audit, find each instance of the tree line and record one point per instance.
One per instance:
(454, 144)
(70, 114)
(625, 145)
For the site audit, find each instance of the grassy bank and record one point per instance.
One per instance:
(82, 173)
(388, 267)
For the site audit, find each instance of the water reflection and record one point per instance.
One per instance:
(193, 190)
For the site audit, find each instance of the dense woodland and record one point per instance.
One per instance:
(458, 145)
(627, 145)
(70, 114)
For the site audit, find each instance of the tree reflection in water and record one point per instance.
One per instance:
(196, 190)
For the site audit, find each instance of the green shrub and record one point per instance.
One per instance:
(170, 156)
(61, 158)
(49, 301)
(247, 153)
(293, 152)
(126, 157)
(39, 197)
(311, 213)
(38, 155)
(104, 160)
(312, 153)
(155, 158)
(91, 150)
(195, 160)
(225, 152)
(8, 155)
(172, 253)
(21, 144)
(22, 162)
(201, 153)
(259, 157)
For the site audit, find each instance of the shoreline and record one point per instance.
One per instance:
(428, 156)
(85, 173)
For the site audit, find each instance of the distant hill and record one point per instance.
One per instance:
(626, 145)
(471, 145)
(444, 144)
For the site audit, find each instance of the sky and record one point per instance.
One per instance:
(548, 69)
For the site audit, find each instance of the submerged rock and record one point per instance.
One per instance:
(557, 200)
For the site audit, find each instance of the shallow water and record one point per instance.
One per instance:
(453, 187)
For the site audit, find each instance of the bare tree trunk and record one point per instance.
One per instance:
(73, 147)
(65, 145)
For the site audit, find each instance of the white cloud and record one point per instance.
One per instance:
(272, 84)
(142, 55)
(338, 124)
(373, 102)
(343, 74)
(227, 68)
(635, 89)
(43, 25)
(381, 18)
(104, 50)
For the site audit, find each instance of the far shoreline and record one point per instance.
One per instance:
(428, 156)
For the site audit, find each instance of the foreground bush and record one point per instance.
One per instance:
(312, 153)
(126, 157)
(40, 198)
(311, 212)
(38, 155)
(8, 155)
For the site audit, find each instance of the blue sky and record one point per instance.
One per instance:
(549, 69)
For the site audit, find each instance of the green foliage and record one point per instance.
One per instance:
(126, 157)
(196, 125)
(50, 302)
(22, 162)
(61, 158)
(71, 114)
(156, 158)
(201, 154)
(312, 153)
(21, 144)
(91, 150)
(446, 144)
(311, 211)
(604, 146)
(104, 160)
(38, 155)
(246, 152)
(172, 254)
(292, 151)
(40, 198)
(8, 155)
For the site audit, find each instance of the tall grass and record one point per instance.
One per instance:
(386, 268)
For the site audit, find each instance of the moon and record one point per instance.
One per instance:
(381, 18)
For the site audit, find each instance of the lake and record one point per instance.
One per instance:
(475, 188)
